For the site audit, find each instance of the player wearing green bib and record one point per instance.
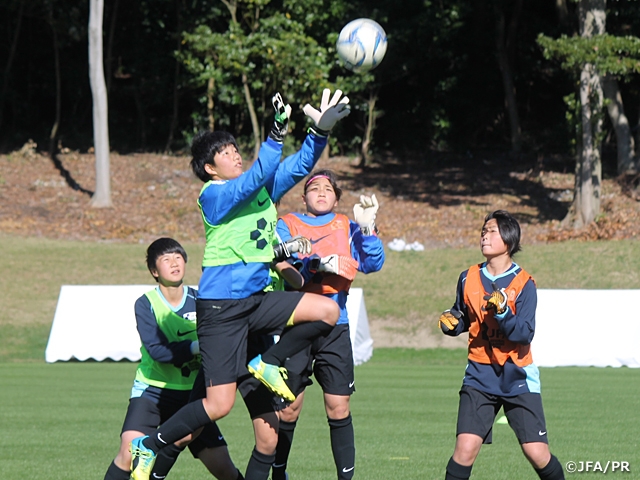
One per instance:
(166, 322)
(239, 217)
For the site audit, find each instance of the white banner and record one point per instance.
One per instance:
(98, 322)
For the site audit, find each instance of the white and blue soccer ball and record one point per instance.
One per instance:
(361, 45)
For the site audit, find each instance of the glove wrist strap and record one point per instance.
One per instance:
(318, 132)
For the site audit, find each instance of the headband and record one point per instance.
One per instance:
(314, 177)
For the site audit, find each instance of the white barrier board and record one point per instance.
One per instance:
(598, 328)
(98, 322)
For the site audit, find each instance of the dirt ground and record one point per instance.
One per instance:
(438, 200)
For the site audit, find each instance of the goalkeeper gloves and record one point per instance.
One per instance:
(297, 244)
(331, 111)
(281, 119)
(449, 319)
(365, 212)
(344, 266)
(497, 300)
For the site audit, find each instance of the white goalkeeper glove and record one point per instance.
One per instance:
(344, 266)
(331, 111)
(365, 212)
(297, 244)
(281, 119)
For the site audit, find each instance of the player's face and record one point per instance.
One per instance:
(320, 197)
(227, 164)
(170, 269)
(491, 242)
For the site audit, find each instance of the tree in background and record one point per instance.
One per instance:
(598, 58)
(102, 195)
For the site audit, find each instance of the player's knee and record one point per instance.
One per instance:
(331, 312)
(217, 408)
(537, 453)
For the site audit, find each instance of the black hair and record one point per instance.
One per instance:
(204, 146)
(509, 229)
(330, 175)
(160, 247)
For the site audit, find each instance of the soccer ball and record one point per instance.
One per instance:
(362, 44)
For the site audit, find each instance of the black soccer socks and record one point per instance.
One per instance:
(455, 471)
(553, 470)
(294, 340)
(285, 439)
(343, 446)
(114, 473)
(258, 466)
(165, 460)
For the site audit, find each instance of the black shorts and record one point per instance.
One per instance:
(477, 411)
(224, 326)
(330, 359)
(156, 405)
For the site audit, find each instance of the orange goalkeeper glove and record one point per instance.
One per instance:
(449, 319)
(497, 300)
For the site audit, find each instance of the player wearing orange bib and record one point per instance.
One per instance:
(496, 303)
(340, 249)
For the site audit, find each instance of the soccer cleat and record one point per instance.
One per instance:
(142, 459)
(272, 377)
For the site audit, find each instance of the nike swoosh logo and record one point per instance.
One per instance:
(541, 433)
(220, 437)
(521, 385)
(313, 242)
(159, 476)
(346, 470)
(160, 438)
(279, 465)
(261, 203)
(182, 334)
(352, 384)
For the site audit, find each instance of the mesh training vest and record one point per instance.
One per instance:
(487, 343)
(332, 238)
(176, 329)
(248, 236)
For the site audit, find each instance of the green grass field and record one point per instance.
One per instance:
(62, 421)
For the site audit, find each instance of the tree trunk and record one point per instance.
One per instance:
(56, 60)
(504, 49)
(210, 103)
(624, 139)
(255, 125)
(12, 53)
(588, 183)
(176, 78)
(102, 196)
(369, 128)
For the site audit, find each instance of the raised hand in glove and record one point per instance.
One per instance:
(281, 120)
(331, 111)
(344, 266)
(365, 212)
(449, 319)
(297, 244)
(497, 300)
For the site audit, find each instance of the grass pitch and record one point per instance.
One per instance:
(62, 421)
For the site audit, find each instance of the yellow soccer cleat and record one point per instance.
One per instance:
(272, 377)
(142, 459)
